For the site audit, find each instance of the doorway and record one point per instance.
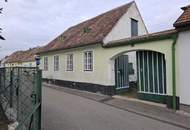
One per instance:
(149, 68)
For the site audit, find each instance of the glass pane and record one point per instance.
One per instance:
(134, 27)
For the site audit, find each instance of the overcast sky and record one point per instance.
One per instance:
(29, 23)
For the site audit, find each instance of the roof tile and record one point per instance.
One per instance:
(184, 19)
(98, 27)
(23, 56)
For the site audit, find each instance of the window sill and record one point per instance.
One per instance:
(69, 70)
(88, 70)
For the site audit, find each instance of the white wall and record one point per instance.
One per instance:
(123, 27)
(183, 66)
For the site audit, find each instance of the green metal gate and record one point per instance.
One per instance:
(121, 72)
(151, 68)
(20, 96)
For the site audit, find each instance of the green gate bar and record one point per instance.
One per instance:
(151, 70)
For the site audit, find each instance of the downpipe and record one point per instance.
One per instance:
(174, 70)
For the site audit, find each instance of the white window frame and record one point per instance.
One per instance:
(88, 66)
(70, 62)
(45, 63)
(56, 63)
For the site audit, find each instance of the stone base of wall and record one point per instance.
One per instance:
(95, 88)
(169, 102)
(165, 99)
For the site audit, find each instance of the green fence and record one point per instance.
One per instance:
(20, 96)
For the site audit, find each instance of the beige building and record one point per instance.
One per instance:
(102, 53)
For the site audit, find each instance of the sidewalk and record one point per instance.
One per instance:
(160, 113)
(153, 111)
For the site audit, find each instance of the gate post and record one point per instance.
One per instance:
(39, 93)
(11, 88)
(38, 89)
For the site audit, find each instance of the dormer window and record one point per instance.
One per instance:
(134, 27)
(61, 38)
(86, 29)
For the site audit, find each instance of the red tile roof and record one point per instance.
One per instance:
(15, 57)
(89, 32)
(184, 19)
(23, 56)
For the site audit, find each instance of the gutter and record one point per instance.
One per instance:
(174, 70)
(140, 39)
(71, 47)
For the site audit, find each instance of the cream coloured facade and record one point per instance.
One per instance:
(103, 72)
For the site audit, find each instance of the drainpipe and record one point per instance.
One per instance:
(174, 70)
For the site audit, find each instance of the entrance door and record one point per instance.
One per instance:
(121, 72)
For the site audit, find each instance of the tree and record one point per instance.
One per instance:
(1, 37)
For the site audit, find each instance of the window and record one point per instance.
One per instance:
(86, 29)
(69, 62)
(56, 63)
(134, 27)
(45, 63)
(88, 61)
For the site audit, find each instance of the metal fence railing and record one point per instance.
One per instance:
(20, 96)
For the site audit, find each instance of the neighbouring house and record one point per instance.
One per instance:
(22, 58)
(2, 61)
(104, 54)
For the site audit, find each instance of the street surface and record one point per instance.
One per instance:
(63, 111)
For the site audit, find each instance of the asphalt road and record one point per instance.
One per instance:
(63, 111)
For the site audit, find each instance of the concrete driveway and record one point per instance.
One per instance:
(63, 111)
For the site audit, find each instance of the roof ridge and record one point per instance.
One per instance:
(185, 7)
